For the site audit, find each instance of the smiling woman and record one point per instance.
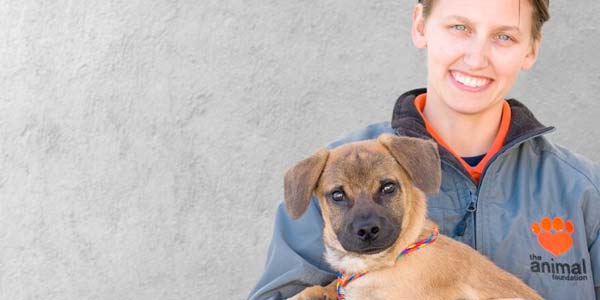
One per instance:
(500, 174)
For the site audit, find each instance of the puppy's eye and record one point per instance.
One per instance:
(338, 196)
(388, 188)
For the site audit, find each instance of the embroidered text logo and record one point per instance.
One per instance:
(554, 236)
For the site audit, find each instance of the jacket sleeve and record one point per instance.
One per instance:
(592, 214)
(295, 257)
(595, 257)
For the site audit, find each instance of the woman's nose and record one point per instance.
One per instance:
(477, 54)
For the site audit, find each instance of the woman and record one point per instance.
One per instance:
(530, 206)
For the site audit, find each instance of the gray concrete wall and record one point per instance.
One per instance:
(142, 143)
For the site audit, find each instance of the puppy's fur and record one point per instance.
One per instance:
(371, 194)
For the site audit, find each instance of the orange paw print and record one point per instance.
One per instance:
(554, 235)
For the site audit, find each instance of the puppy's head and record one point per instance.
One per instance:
(369, 192)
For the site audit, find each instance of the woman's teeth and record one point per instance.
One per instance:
(470, 81)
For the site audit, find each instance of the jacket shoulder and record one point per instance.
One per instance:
(372, 131)
(578, 164)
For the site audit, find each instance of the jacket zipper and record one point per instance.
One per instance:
(461, 227)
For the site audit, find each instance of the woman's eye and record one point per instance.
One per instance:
(503, 37)
(338, 196)
(460, 27)
(388, 188)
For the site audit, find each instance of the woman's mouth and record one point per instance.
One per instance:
(470, 83)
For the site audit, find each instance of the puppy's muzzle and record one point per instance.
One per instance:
(368, 234)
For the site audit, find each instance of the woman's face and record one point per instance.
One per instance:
(475, 50)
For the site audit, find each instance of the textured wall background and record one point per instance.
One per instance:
(142, 143)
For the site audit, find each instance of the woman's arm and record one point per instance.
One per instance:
(295, 258)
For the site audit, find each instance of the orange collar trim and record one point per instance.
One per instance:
(496, 145)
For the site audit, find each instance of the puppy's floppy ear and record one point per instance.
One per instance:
(301, 180)
(419, 157)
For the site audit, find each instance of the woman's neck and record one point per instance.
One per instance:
(467, 135)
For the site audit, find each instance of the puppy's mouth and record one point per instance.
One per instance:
(371, 250)
(371, 247)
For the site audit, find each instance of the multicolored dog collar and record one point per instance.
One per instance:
(343, 282)
(420, 244)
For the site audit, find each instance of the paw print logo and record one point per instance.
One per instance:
(554, 235)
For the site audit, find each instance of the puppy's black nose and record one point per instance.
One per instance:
(367, 230)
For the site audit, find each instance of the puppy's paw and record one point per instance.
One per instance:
(317, 292)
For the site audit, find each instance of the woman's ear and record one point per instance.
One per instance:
(531, 57)
(418, 27)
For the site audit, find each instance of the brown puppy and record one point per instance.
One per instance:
(371, 194)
